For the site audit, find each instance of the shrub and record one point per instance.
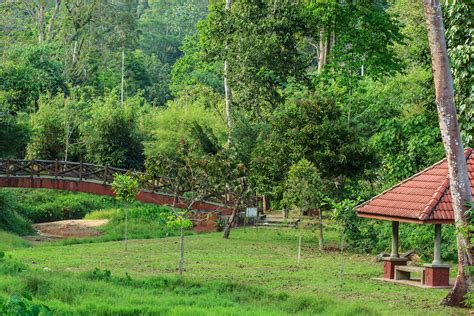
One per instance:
(10, 219)
(23, 305)
(42, 205)
(98, 274)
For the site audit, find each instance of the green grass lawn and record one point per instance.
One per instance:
(255, 272)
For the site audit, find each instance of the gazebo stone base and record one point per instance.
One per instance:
(389, 266)
(437, 274)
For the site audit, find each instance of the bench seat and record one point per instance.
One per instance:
(403, 273)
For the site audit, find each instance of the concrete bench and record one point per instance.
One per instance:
(403, 272)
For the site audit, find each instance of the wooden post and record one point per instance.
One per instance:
(31, 168)
(56, 168)
(106, 172)
(394, 253)
(80, 171)
(7, 169)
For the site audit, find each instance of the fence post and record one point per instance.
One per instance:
(106, 173)
(31, 168)
(56, 168)
(80, 171)
(7, 169)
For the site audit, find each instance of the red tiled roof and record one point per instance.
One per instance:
(422, 198)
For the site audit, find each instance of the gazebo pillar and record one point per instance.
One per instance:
(394, 259)
(437, 273)
(437, 245)
(394, 253)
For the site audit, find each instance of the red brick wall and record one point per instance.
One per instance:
(389, 268)
(436, 276)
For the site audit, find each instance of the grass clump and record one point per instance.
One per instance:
(102, 214)
(9, 241)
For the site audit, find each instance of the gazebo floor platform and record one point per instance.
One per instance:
(416, 282)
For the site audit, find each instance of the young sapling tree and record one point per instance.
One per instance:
(126, 189)
(304, 190)
(184, 177)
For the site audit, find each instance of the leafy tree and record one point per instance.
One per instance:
(192, 68)
(304, 190)
(55, 128)
(14, 135)
(459, 37)
(414, 49)
(261, 45)
(191, 117)
(229, 182)
(356, 34)
(311, 127)
(165, 24)
(111, 134)
(146, 75)
(29, 71)
(184, 177)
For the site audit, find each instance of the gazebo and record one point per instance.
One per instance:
(424, 198)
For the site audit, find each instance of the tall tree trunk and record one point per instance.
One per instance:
(230, 223)
(52, 20)
(265, 203)
(41, 24)
(228, 94)
(123, 76)
(322, 50)
(458, 176)
(68, 136)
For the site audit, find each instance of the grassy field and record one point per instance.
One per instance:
(255, 272)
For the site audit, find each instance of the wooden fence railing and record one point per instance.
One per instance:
(79, 171)
(58, 169)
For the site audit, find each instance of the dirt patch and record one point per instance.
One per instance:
(69, 228)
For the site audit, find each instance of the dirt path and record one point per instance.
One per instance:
(68, 228)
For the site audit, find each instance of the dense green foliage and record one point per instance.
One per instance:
(344, 87)
(11, 218)
(304, 187)
(49, 205)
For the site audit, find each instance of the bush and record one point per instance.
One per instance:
(10, 219)
(42, 205)
(22, 305)
(470, 299)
